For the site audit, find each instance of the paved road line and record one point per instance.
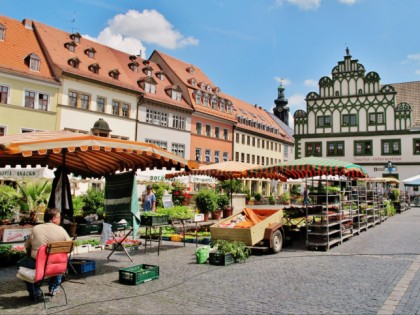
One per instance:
(394, 298)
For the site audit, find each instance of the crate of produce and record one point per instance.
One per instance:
(95, 248)
(119, 226)
(82, 266)
(219, 259)
(152, 220)
(138, 274)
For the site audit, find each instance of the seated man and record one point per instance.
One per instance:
(42, 234)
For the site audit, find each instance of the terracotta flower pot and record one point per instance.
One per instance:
(216, 215)
(227, 212)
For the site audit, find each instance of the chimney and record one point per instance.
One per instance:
(27, 23)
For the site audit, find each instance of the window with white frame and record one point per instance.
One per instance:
(176, 95)
(208, 155)
(2, 31)
(73, 99)
(222, 105)
(34, 62)
(43, 101)
(236, 157)
(214, 102)
(3, 131)
(243, 157)
(178, 122)
(225, 156)
(198, 154)
(27, 130)
(100, 104)
(217, 132)
(115, 108)
(150, 88)
(156, 117)
(84, 101)
(208, 130)
(178, 149)
(30, 99)
(198, 127)
(4, 94)
(161, 144)
(198, 97)
(125, 110)
(226, 134)
(206, 99)
(216, 156)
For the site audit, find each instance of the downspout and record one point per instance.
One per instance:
(140, 101)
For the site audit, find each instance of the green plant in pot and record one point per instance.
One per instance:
(206, 201)
(271, 200)
(258, 197)
(8, 201)
(285, 198)
(239, 250)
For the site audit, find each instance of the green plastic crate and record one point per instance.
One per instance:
(138, 274)
(152, 220)
(221, 259)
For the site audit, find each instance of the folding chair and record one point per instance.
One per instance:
(51, 260)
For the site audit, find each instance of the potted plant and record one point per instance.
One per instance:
(223, 204)
(258, 198)
(237, 249)
(8, 201)
(271, 200)
(285, 198)
(206, 202)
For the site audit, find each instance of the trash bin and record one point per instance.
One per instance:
(202, 254)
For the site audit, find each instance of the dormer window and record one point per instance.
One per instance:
(206, 99)
(222, 105)
(148, 84)
(191, 70)
(216, 91)
(33, 62)
(71, 46)
(203, 86)
(2, 32)
(176, 95)
(146, 62)
(134, 66)
(174, 92)
(229, 107)
(214, 102)
(75, 37)
(208, 88)
(193, 82)
(94, 68)
(74, 62)
(147, 71)
(115, 74)
(132, 57)
(160, 75)
(198, 97)
(90, 52)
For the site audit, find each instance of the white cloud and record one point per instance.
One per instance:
(349, 2)
(283, 81)
(417, 72)
(415, 57)
(128, 31)
(310, 4)
(297, 101)
(310, 83)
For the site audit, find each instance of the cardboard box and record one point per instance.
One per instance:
(16, 235)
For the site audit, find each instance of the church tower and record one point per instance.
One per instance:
(281, 110)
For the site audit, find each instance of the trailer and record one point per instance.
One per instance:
(267, 234)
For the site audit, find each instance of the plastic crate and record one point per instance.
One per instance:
(86, 229)
(82, 266)
(119, 226)
(152, 220)
(138, 274)
(221, 259)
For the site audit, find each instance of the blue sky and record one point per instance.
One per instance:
(246, 46)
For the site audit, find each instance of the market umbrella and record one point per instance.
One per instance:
(227, 170)
(310, 167)
(84, 155)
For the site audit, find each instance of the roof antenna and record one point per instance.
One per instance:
(73, 22)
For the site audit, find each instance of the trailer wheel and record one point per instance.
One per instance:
(276, 242)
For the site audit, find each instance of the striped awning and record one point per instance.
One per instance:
(310, 167)
(226, 170)
(85, 155)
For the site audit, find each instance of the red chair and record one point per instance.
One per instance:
(51, 261)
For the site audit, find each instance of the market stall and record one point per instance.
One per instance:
(330, 200)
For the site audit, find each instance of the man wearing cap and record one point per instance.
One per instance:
(149, 199)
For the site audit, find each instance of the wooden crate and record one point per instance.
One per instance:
(249, 236)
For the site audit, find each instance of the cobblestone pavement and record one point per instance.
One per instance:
(376, 272)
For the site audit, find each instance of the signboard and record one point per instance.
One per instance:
(20, 173)
(167, 201)
(16, 235)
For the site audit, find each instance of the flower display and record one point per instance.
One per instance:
(180, 195)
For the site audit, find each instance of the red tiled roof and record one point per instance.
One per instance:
(107, 58)
(20, 42)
